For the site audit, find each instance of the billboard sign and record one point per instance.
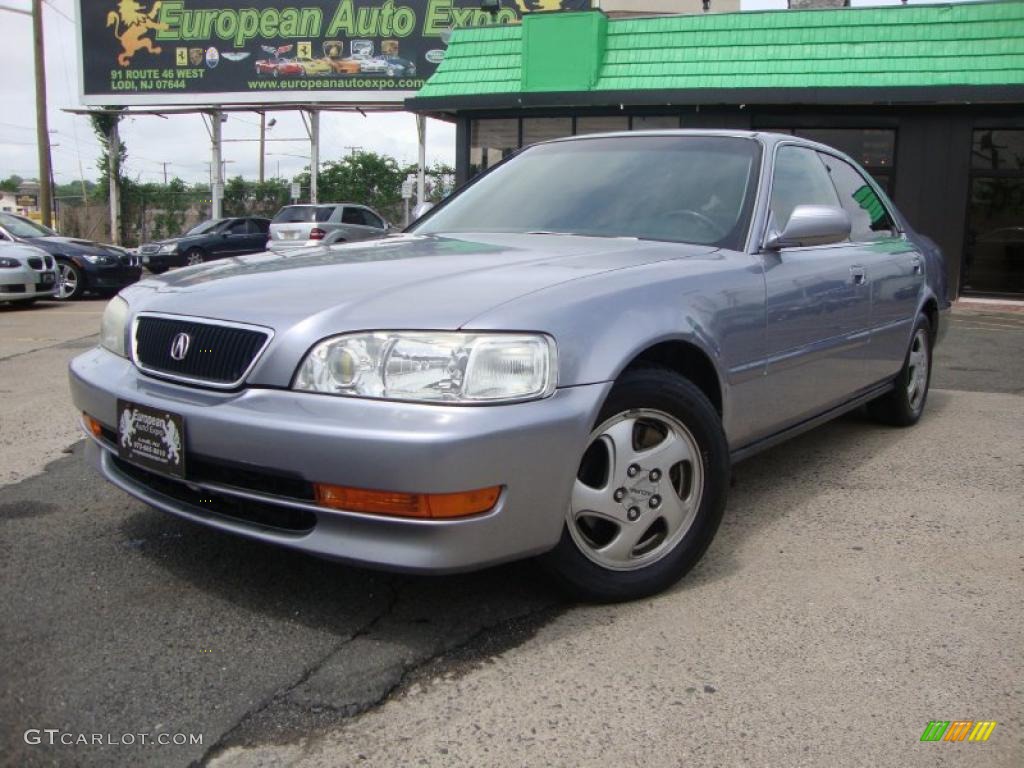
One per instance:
(164, 52)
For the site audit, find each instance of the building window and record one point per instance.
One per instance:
(490, 141)
(544, 128)
(608, 124)
(994, 256)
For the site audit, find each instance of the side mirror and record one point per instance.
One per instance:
(421, 209)
(811, 225)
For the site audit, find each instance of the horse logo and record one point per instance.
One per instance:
(131, 25)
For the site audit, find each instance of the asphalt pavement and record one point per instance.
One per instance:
(865, 581)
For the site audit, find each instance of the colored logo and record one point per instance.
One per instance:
(181, 57)
(958, 730)
(212, 57)
(131, 27)
(195, 56)
(434, 56)
(304, 50)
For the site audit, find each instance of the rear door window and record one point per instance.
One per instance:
(238, 227)
(868, 214)
(800, 179)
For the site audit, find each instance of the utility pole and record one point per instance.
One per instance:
(421, 164)
(42, 127)
(165, 172)
(353, 149)
(263, 142)
(113, 181)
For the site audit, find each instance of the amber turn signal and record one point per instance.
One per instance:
(94, 427)
(423, 505)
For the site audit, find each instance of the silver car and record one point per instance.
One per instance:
(302, 226)
(27, 273)
(562, 360)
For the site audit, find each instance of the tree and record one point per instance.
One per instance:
(361, 177)
(11, 183)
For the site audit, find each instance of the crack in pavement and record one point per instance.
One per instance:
(62, 344)
(223, 742)
(448, 659)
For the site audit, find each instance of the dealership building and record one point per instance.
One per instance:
(929, 99)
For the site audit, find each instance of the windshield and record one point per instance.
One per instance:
(205, 227)
(20, 227)
(689, 189)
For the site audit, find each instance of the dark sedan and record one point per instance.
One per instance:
(213, 239)
(82, 264)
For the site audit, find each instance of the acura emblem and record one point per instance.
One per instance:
(179, 347)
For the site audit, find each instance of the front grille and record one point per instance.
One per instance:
(255, 513)
(218, 355)
(49, 262)
(35, 263)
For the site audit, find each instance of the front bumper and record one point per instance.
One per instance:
(532, 449)
(116, 276)
(162, 260)
(27, 283)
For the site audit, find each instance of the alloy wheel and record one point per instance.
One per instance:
(917, 369)
(67, 281)
(193, 258)
(637, 491)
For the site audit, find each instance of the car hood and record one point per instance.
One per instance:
(72, 245)
(405, 282)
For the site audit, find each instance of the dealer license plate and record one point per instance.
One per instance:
(151, 438)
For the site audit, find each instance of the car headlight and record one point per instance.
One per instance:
(169, 248)
(113, 326)
(6, 263)
(432, 366)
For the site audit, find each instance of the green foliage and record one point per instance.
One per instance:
(252, 198)
(10, 184)
(362, 177)
(102, 124)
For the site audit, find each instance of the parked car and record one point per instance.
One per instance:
(82, 265)
(27, 273)
(213, 239)
(562, 359)
(302, 226)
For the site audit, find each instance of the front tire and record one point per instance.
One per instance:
(903, 406)
(194, 257)
(649, 493)
(71, 285)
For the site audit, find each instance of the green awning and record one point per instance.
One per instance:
(566, 58)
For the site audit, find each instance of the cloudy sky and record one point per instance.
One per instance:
(182, 141)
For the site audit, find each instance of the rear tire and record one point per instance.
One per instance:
(649, 494)
(903, 406)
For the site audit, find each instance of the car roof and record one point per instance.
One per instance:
(769, 138)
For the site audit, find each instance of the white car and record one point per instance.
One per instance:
(27, 273)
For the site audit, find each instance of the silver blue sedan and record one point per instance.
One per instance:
(562, 360)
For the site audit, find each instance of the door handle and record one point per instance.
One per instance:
(915, 263)
(858, 274)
